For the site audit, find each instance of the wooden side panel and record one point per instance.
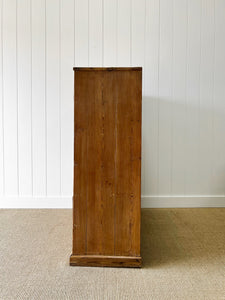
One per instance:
(101, 164)
(107, 163)
(128, 163)
(108, 160)
(80, 164)
(94, 200)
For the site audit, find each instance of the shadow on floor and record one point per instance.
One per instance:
(183, 235)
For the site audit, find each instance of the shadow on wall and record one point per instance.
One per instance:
(183, 147)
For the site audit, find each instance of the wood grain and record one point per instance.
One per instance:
(128, 164)
(80, 165)
(107, 166)
(105, 261)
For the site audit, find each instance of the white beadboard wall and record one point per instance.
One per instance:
(181, 46)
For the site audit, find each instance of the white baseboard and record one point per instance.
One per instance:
(36, 202)
(183, 201)
(147, 201)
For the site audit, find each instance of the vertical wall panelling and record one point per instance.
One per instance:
(2, 184)
(96, 33)
(138, 27)
(180, 45)
(138, 33)
(178, 102)
(110, 33)
(206, 96)
(192, 171)
(165, 96)
(67, 60)
(38, 97)
(150, 100)
(219, 103)
(10, 96)
(53, 97)
(24, 98)
(124, 32)
(81, 32)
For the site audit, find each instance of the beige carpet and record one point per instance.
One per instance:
(183, 252)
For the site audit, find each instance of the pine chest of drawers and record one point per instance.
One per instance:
(107, 167)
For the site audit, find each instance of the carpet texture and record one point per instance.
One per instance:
(183, 254)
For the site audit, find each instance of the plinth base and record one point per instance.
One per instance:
(105, 261)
